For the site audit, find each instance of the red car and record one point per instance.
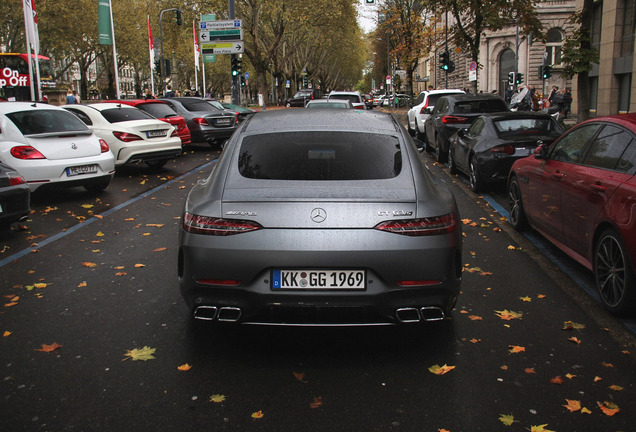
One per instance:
(162, 111)
(580, 193)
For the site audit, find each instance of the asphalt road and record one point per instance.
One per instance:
(101, 282)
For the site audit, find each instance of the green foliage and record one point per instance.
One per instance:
(578, 54)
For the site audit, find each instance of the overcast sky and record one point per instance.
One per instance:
(367, 15)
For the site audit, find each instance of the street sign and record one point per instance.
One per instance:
(220, 35)
(215, 25)
(223, 48)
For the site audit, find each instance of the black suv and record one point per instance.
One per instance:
(302, 96)
(455, 112)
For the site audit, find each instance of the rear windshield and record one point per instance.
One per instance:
(46, 121)
(116, 115)
(320, 156)
(158, 110)
(198, 105)
(350, 98)
(527, 126)
(481, 106)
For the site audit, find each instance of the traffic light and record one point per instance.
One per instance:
(177, 16)
(519, 78)
(511, 78)
(451, 66)
(158, 66)
(547, 72)
(166, 67)
(444, 61)
(236, 66)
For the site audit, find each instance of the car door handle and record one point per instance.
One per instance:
(557, 175)
(598, 187)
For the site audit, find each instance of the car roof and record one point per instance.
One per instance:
(451, 91)
(135, 102)
(9, 107)
(516, 114)
(472, 97)
(101, 106)
(628, 120)
(313, 120)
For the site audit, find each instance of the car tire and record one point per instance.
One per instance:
(517, 215)
(452, 167)
(97, 187)
(156, 164)
(474, 179)
(613, 274)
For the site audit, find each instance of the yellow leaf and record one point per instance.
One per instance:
(575, 340)
(40, 285)
(257, 415)
(514, 349)
(597, 379)
(570, 376)
(140, 265)
(473, 340)
(217, 398)
(185, 367)
(540, 428)
(475, 318)
(10, 304)
(154, 225)
(49, 348)
(81, 284)
(100, 234)
(569, 325)
(6, 333)
(608, 408)
(89, 264)
(585, 411)
(616, 387)
(161, 249)
(87, 206)
(146, 234)
(507, 419)
(129, 219)
(511, 247)
(121, 274)
(525, 299)
(146, 353)
(118, 268)
(440, 370)
(573, 405)
(508, 315)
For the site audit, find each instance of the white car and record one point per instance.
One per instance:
(51, 148)
(352, 96)
(132, 134)
(422, 108)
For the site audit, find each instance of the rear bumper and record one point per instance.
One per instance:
(14, 203)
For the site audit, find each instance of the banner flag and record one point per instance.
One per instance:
(103, 22)
(31, 23)
(151, 45)
(196, 46)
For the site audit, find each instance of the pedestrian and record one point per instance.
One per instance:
(553, 92)
(70, 99)
(170, 92)
(147, 94)
(535, 98)
(77, 98)
(567, 102)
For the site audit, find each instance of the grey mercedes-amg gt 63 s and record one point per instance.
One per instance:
(320, 217)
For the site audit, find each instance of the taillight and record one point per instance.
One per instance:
(215, 226)
(26, 152)
(126, 137)
(236, 119)
(423, 110)
(200, 121)
(507, 149)
(422, 226)
(175, 133)
(16, 179)
(103, 146)
(453, 119)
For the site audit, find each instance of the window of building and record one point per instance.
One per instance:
(629, 16)
(624, 92)
(554, 46)
(506, 65)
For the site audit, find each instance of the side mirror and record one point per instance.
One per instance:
(541, 152)
(462, 132)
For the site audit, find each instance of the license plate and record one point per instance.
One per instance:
(80, 170)
(223, 122)
(319, 279)
(156, 133)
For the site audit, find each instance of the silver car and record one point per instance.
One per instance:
(320, 217)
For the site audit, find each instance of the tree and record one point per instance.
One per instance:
(579, 56)
(471, 19)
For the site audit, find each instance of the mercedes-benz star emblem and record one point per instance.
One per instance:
(318, 215)
(74, 146)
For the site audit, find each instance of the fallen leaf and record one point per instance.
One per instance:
(573, 405)
(514, 349)
(217, 398)
(140, 265)
(100, 234)
(508, 315)
(154, 225)
(585, 411)
(300, 376)
(89, 264)
(570, 376)
(317, 403)
(121, 274)
(569, 325)
(530, 371)
(575, 340)
(507, 419)
(161, 249)
(525, 299)
(607, 365)
(440, 370)
(556, 380)
(49, 348)
(616, 387)
(185, 367)
(6, 333)
(608, 408)
(475, 318)
(597, 379)
(145, 353)
(257, 415)
(81, 284)
(473, 340)
(540, 428)
(511, 247)
(87, 206)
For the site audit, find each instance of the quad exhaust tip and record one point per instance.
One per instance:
(413, 315)
(223, 314)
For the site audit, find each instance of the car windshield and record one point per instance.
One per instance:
(351, 98)
(46, 121)
(216, 104)
(303, 94)
(199, 105)
(117, 115)
(480, 106)
(328, 104)
(320, 156)
(527, 126)
(159, 110)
